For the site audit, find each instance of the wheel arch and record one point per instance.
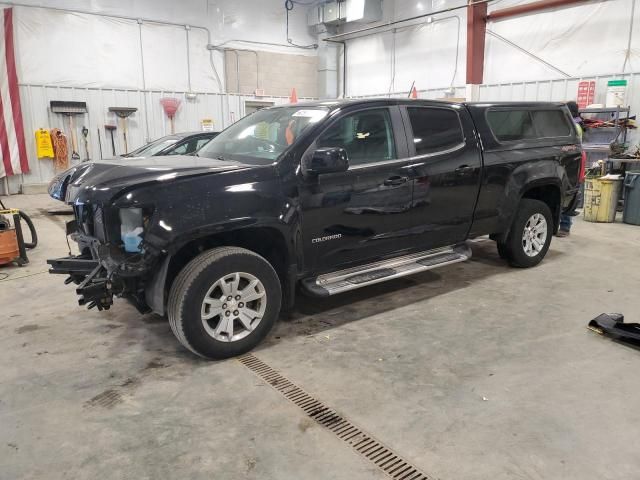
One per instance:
(547, 190)
(549, 193)
(267, 241)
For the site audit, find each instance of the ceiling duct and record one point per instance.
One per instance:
(334, 13)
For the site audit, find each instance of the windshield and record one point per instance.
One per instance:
(152, 148)
(260, 138)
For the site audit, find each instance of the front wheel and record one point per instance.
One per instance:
(530, 234)
(224, 302)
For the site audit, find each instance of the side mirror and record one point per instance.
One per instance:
(326, 160)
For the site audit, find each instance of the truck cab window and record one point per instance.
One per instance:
(434, 129)
(367, 136)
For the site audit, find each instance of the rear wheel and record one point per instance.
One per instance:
(224, 302)
(530, 234)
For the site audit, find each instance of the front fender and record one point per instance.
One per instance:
(155, 288)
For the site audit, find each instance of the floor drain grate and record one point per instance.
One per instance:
(382, 457)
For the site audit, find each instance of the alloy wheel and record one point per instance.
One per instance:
(233, 307)
(534, 235)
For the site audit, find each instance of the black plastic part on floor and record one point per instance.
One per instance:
(613, 324)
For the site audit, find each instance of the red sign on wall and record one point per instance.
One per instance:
(586, 93)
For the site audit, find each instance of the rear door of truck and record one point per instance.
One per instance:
(445, 167)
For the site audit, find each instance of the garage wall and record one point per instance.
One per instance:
(223, 109)
(59, 47)
(64, 55)
(583, 40)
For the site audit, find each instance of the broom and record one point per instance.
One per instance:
(123, 113)
(70, 109)
(170, 106)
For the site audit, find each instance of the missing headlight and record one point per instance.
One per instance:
(131, 229)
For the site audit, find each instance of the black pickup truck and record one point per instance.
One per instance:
(325, 197)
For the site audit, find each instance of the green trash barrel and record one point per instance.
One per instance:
(631, 213)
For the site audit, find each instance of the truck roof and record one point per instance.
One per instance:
(333, 104)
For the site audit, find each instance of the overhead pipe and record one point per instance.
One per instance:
(530, 8)
(355, 33)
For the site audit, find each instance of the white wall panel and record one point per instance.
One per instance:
(58, 48)
(202, 75)
(165, 56)
(256, 20)
(424, 52)
(585, 39)
(369, 65)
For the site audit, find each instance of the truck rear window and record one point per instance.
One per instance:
(511, 125)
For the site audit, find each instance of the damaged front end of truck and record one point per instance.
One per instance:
(104, 270)
(126, 218)
(114, 259)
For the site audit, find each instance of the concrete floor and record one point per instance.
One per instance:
(473, 371)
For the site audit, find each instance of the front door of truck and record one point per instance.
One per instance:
(445, 169)
(364, 213)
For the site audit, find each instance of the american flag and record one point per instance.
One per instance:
(13, 149)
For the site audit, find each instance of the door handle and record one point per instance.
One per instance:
(464, 169)
(395, 180)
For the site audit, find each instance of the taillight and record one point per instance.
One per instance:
(583, 167)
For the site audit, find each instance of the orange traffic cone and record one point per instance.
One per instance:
(414, 93)
(293, 98)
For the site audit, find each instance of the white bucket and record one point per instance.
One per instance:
(616, 92)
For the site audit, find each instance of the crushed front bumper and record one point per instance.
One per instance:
(94, 287)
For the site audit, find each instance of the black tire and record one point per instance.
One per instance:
(502, 251)
(34, 236)
(513, 249)
(192, 284)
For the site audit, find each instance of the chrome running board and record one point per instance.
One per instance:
(357, 277)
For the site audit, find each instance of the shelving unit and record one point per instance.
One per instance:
(597, 142)
(604, 145)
